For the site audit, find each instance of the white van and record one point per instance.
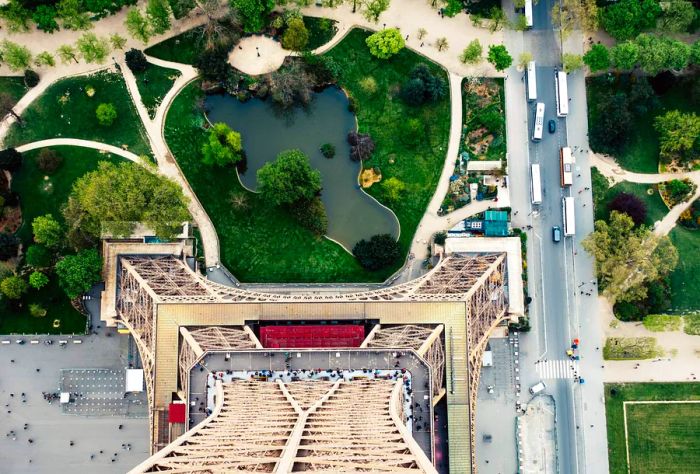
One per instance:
(537, 388)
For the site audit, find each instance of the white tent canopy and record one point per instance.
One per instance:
(134, 380)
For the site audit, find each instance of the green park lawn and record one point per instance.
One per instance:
(154, 83)
(602, 195)
(382, 115)
(183, 48)
(685, 279)
(13, 85)
(663, 438)
(65, 110)
(39, 196)
(641, 154)
(264, 244)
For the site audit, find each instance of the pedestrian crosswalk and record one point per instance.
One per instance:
(558, 369)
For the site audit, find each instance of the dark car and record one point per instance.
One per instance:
(556, 233)
(552, 124)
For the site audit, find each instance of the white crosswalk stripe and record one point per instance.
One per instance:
(558, 369)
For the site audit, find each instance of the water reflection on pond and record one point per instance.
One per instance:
(352, 214)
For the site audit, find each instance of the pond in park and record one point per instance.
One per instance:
(352, 214)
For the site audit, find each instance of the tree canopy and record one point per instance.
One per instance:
(93, 48)
(498, 56)
(625, 55)
(13, 287)
(677, 16)
(597, 58)
(629, 204)
(47, 230)
(378, 252)
(678, 134)
(385, 43)
(472, 53)
(16, 56)
(223, 147)
(296, 36)
(289, 179)
(625, 19)
(115, 197)
(423, 86)
(628, 257)
(253, 13)
(78, 273)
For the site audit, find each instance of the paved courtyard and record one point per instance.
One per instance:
(87, 440)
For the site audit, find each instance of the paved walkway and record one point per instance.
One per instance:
(257, 55)
(81, 143)
(615, 173)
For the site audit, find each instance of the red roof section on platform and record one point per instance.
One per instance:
(176, 413)
(300, 337)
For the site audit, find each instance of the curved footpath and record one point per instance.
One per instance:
(81, 143)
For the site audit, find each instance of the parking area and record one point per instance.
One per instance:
(37, 436)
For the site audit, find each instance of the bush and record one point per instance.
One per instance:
(38, 280)
(311, 215)
(10, 160)
(411, 131)
(48, 160)
(385, 43)
(47, 230)
(368, 85)
(13, 287)
(106, 114)
(472, 53)
(361, 146)
(212, 63)
(38, 256)
(677, 190)
(440, 238)
(328, 150)
(136, 60)
(296, 35)
(36, 310)
(379, 252)
(9, 244)
(31, 78)
(630, 205)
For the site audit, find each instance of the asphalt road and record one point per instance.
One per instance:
(559, 312)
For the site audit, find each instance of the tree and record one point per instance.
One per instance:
(113, 198)
(7, 106)
(393, 188)
(524, 59)
(158, 12)
(296, 35)
(78, 273)
(289, 179)
(106, 114)
(625, 55)
(38, 256)
(38, 280)
(47, 231)
(499, 57)
(73, 15)
(695, 53)
(625, 19)
(597, 58)
(16, 56)
(223, 146)
(212, 63)
(117, 41)
(472, 53)
(374, 8)
(378, 252)
(31, 78)
(572, 62)
(9, 244)
(10, 160)
(677, 16)
(677, 190)
(497, 18)
(67, 53)
(441, 44)
(423, 86)
(311, 215)
(631, 205)
(328, 150)
(658, 53)
(136, 60)
(678, 133)
(291, 86)
(93, 48)
(612, 129)
(45, 18)
(13, 287)
(361, 146)
(575, 14)
(385, 43)
(422, 33)
(138, 25)
(16, 16)
(252, 13)
(628, 257)
(45, 59)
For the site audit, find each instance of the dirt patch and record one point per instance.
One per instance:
(10, 220)
(370, 176)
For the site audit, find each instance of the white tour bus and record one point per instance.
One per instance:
(539, 123)
(562, 94)
(528, 13)
(569, 217)
(535, 184)
(566, 163)
(531, 82)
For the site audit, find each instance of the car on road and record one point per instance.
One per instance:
(556, 233)
(537, 388)
(552, 126)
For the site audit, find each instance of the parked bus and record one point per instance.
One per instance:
(528, 13)
(569, 218)
(535, 184)
(531, 82)
(539, 123)
(566, 162)
(562, 93)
